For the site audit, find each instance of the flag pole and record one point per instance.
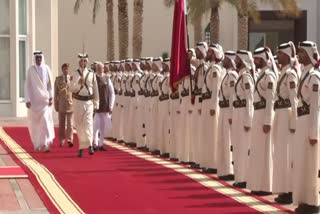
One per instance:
(188, 45)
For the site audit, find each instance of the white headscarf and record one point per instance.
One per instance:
(232, 56)
(41, 69)
(247, 59)
(266, 54)
(218, 51)
(158, 62)
(312, 51)
(290, 50)
(203, 48)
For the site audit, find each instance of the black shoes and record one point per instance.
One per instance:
(240, 184)
(165, 155)
(80, 153)
(102, 148)
(210, 171)
(174, 159)
(307, 209)
(227, 177)
(284, 198)
(70, 144)
(261, 193)
(195, 166)
(155, 152)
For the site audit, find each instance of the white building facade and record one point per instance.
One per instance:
(51, 26)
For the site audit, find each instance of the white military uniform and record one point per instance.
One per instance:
(185, 136)
(224, 155)
(139, 109)
(260, 157)
(174, 123)
(242, 117)
(154, 104)
(117, 109)
(148, 107)
(131, 102)
(210, 101)
(284, 120)
(164, 129)
(83, 109)
(198, 141)
(306, 156)
(124, 110)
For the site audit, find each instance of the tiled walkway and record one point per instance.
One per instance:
(17, 195)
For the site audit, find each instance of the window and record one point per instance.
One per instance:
(22, 45)
(4, 50)
(274, 29)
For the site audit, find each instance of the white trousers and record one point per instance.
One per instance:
(100, 123)
(282, 152)
(240, 140)
(259, 175)
(305, 166)
(224, 155)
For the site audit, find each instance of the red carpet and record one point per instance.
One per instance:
(118, 182)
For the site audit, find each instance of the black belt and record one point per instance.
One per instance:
(197, 92)
(303, 110)
(141, 93)
(224, 103)
(164, 97)
(240, 103)
(174, 97)
(282, 103)
(184, 93)
(146, 93)
(82, 98)
(133, 94)
(154, 93)
(207, 95)
(260, 105)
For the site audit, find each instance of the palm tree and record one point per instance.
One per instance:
(137, 28)
(246, 9)
(109, 22)
(110, 30)
(123, 22)
(196, 11)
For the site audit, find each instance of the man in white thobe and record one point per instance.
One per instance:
(259, 178)
(38, 97)
(306, 141)
(86, 99)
